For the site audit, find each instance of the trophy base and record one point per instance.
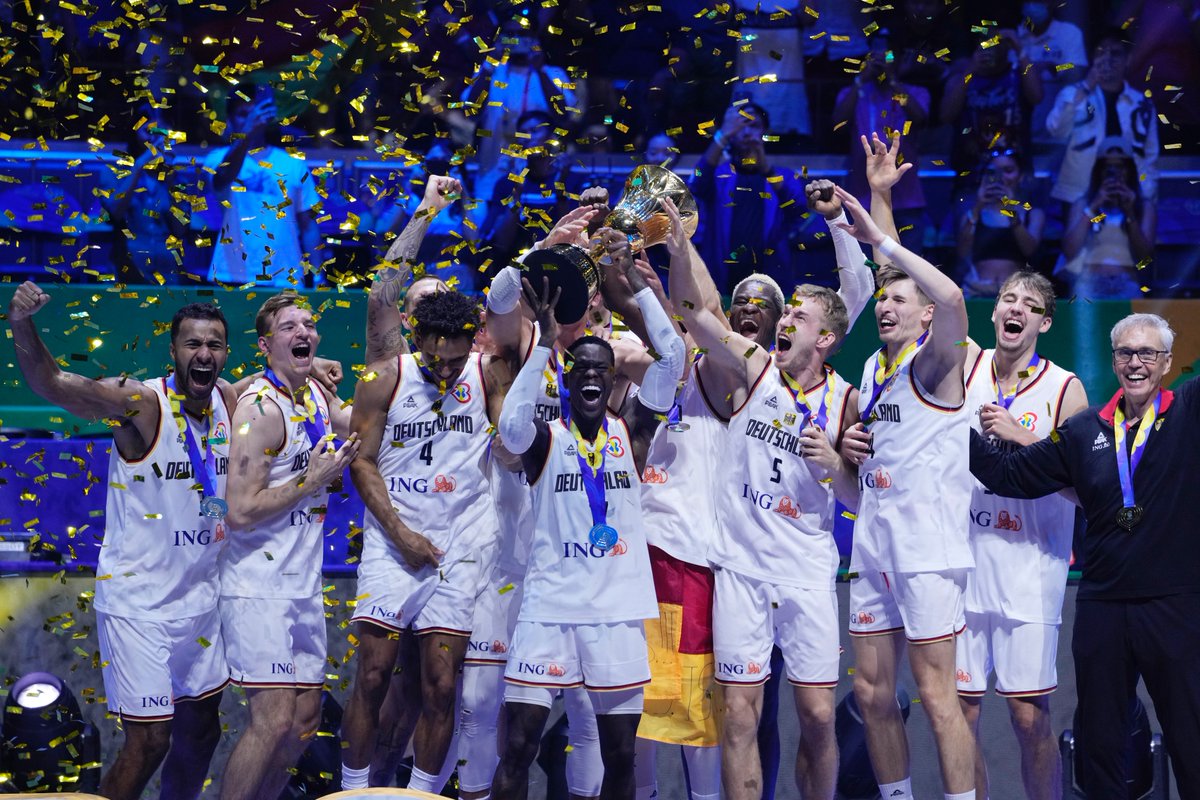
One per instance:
(570, 269)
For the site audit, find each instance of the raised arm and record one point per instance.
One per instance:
(732, 353)
(521, 431)
(856, 282)
(940, 362)
(368, 423)
(259, 427)
(385, 332)
(883, 172)
(132, 403)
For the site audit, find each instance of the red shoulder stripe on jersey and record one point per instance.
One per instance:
(396, 386)
(754, 387)
(1062, 396)
(974, 368)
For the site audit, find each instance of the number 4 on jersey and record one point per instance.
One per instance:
(427, 453)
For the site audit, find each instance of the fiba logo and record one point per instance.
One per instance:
(220, 435)
(462, 393)
(1028, 421)
(614, 447)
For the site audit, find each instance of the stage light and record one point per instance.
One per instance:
(47, 745)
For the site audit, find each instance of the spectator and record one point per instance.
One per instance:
(136, 194)
(268, 225)
(749, 206)
(1055, 48)
(922, 37)
(529, 192)
(879, 102)
(1101, 106)
(1000, 233)
(1165, 60)
(831, 49)
(680, 98)
(661, 151)
(522, 82)
(990, 99)
(1110, 236)
(772, 43)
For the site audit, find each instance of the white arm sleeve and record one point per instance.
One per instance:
(517, 414)
(505, 291)
(857, 282)
(662, 377)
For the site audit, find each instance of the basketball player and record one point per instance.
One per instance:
(910, 546)
(1022, 548)
(156, 606)
(425, 420)
(283, 461)
(680, 700)
(774, 548)
(588, 587)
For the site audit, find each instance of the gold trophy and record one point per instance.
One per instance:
(639, 215)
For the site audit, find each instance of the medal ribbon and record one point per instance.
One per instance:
(204, 468)
(313, 424)
(591, 468)
(1003, 398)
(1127, 462)
(821, 416)
(675, 415)
(886, 373)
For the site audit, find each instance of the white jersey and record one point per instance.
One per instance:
(1022, 548)
(916, 482)
(280, 556)
(159, 558)
(569, 580)
(678, 488)
(432, 461)
(776, 512)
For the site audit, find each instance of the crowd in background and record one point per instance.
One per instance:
(522, 102)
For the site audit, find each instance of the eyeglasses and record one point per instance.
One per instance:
(1008, 152)
(1122, 355)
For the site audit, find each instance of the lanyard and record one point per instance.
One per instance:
(1003, 398)
(1127, 462)
(314, 425)
(821, 416)
(204, 468)
(591, 467)
(886, 373)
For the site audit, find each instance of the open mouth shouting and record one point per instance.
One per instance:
(302, 351)
(202, 376)
(887, 324)
(783, 343)
(591, 392)
(748, 326)
(1012, 329)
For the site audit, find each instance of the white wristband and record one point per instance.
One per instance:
(505, 291)
(888, 247)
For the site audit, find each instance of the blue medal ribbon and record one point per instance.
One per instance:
(1005, 399)
(886, 373)
(602, 535)
(1127, 461)
(204, 467)
(313, 424)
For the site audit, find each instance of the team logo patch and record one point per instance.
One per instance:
(652, 475)
(789, 418)
(1007, 522)
(1028, 421)
(220, 435)
(462, 393)
(444, 483)
(614, 447)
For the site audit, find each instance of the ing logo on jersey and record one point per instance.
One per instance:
(1028, 421)
(618, 549)
(220, 435)
(614, 447)
(444, 483)
(962, 676)
(462, 393)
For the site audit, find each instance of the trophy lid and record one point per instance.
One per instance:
(569, 268)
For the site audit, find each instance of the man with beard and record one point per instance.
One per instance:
(1022, 548)
(283, 461)
(430, 534)
(156, 604)
(588, 586)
